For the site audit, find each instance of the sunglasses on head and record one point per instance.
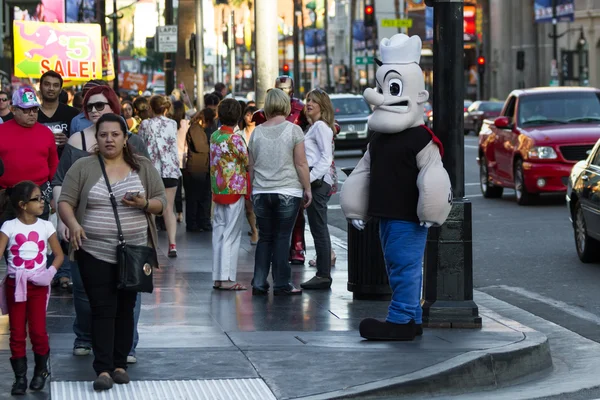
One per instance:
(99, 106)
(31, 110)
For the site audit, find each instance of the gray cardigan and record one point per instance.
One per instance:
(86, 172)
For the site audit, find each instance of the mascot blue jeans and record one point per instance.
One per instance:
(403, 244)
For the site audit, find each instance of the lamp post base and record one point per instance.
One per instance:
(448, 276)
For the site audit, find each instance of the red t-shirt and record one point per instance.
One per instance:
(27, 154)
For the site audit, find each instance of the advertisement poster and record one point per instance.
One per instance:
(565, 11)
(362, 37)
(43, 11)
(72, 50)
(81, 10)
(133, 81)
(470, 33)
(416, 5)
(429, 23)
(315, 41)
(108, 68)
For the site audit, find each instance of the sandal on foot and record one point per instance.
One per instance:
(236, 286)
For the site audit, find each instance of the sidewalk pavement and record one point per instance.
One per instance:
(201, 343)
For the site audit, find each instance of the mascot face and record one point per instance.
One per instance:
(400, 95)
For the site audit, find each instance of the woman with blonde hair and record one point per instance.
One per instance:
(280, 181)
(160, 135)
(318, 142)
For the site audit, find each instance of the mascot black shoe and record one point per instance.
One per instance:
(373, 329)
(401, 182)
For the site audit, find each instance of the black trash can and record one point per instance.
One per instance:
(367, 276)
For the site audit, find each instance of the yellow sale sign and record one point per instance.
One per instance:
(72, 50)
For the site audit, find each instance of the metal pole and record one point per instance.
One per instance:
(199, 56)
(554, 31)
(265, 12)
(351, 53)
(232, 52)
(169, 58)
(296, 41)
(303, 84)
(326, 28)
(115, 47)
(448, 277)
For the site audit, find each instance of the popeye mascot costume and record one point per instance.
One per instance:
(401, 181)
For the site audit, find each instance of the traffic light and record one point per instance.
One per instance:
(481, 65)
(286, 69)
(369, 19)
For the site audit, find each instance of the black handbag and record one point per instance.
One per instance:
(135, 264)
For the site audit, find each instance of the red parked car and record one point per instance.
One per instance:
(534, 143)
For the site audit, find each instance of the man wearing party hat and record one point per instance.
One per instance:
(401, 181)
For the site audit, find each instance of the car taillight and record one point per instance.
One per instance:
(429, 113)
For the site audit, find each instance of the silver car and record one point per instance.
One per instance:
(351, 112)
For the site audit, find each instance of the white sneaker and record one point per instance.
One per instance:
(131, 359)
(81, 351)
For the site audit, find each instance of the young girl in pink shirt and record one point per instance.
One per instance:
(24, 292)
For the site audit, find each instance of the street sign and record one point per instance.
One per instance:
(362, 60)
(397, 23)
(167, 38)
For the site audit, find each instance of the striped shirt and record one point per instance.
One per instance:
(99, 222)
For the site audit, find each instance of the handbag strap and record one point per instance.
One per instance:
(113, 201)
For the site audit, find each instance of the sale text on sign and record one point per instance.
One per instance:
(72, 50)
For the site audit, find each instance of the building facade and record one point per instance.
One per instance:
(520, 52)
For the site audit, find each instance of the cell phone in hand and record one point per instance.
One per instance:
(130, 194)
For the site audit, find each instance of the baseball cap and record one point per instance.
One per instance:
(25, 98)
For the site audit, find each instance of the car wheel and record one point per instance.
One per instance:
(523, 196)
(587, 248)
(488, 189)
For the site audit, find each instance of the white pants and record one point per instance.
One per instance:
(226, 238)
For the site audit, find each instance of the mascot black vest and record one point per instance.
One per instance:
(394, 159)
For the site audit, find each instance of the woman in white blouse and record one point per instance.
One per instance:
(318, 142)
(160, 135)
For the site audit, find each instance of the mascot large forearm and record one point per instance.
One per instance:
(401, 181)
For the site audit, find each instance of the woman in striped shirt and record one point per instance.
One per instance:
(85, 207)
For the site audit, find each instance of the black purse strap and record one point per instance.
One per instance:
(113, 201)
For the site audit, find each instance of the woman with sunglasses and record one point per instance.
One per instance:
(98, 101)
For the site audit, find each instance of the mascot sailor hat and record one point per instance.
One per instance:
(400, 88)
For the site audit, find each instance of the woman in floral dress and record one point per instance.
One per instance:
(160, 135)
(229, 181)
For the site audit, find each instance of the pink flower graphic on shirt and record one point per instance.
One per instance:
(26, 247)
(237, 183)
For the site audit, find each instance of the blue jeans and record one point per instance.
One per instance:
(65, 268)
(403, 244)
(275, 217)
(82, 326)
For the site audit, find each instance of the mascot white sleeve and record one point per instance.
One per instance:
(401, 182)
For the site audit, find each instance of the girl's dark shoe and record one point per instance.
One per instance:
(103, 382)
(19, 366)
(40, 372)
(120, 376)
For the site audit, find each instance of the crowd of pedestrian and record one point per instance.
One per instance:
(68, 154)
